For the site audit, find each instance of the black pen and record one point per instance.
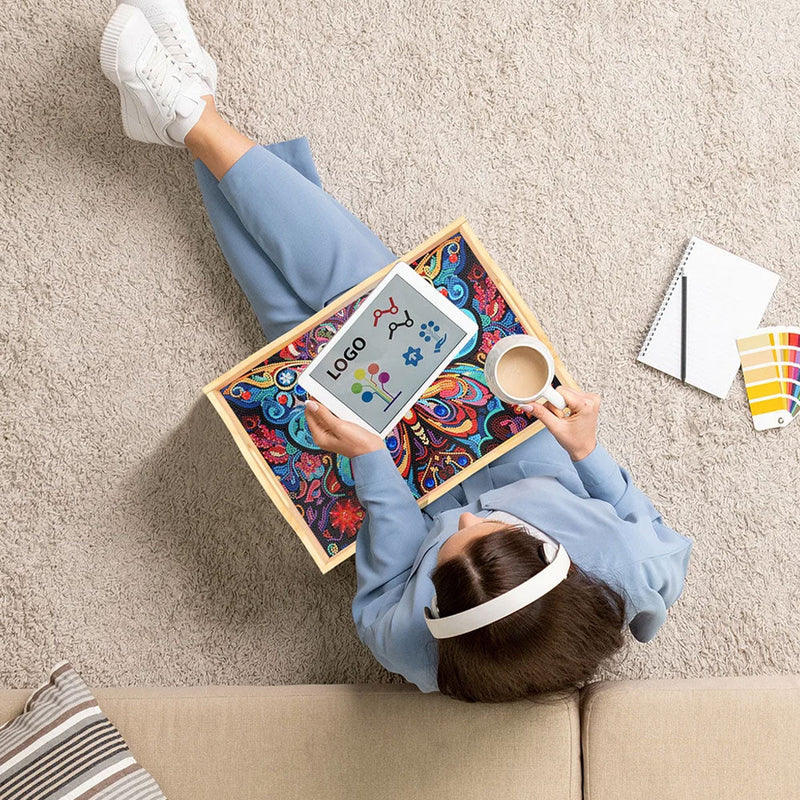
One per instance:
(683, 326)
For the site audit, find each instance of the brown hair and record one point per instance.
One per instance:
(553, 645)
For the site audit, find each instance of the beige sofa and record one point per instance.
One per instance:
(678, 739)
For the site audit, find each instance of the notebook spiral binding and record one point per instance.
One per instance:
(676, 279)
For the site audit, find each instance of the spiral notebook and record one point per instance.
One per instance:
(714, 298)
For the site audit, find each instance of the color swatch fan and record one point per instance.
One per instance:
(771, 367)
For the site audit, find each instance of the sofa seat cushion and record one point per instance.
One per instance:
(691, 738)
(342, 742)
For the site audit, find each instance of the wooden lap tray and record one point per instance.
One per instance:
(457, 427)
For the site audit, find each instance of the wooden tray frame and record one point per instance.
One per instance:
(269, 481)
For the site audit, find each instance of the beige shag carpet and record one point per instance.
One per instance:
(584, 141)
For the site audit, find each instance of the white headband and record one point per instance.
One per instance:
(504, 604)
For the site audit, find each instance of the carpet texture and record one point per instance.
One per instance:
(584, 141)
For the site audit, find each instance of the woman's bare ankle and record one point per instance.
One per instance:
(209, 120)
(216, 143)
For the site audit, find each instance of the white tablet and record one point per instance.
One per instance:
(384, 357)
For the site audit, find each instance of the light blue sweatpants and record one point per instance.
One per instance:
(290, 245)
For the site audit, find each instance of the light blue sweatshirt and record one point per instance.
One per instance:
(609, 528)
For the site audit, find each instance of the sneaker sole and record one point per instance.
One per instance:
(135, 125)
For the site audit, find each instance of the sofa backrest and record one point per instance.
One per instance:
(655, 739)
(703, 739)
(348, 742)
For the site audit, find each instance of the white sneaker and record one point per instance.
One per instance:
(160, 102)
(170, 21)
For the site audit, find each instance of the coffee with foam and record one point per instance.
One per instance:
(522, 372)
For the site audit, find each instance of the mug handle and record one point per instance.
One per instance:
(553, 397)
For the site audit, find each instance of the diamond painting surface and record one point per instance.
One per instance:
(455, 422)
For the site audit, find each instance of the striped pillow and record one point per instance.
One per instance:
(62, 747)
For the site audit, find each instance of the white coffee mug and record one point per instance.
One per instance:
(509, 345)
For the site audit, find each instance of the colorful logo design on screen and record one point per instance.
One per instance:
(393, 326)
(412, 356)
(371, 383)
(393, 309)
(428, 331)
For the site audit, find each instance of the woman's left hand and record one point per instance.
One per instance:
(337, 435)
(577, 433)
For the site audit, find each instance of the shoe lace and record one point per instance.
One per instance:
(159, 71)
(177, 45)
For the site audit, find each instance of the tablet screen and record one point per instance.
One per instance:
(388, 353)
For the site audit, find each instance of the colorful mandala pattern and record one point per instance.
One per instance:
(457, 421)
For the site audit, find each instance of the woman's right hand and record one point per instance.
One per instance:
(336, 435)
(577, 433)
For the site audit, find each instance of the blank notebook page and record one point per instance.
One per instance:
(726, 298)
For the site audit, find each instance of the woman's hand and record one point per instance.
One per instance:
(577, 433)
(337, 435)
